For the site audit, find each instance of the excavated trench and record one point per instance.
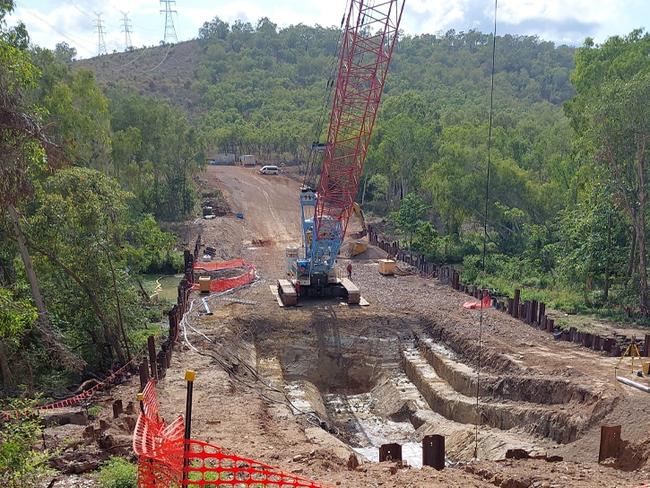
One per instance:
(378, 379)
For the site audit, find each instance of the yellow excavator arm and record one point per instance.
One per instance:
(356, 209)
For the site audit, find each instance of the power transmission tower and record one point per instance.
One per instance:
(126, 29)
(170, 30)
(101, 42)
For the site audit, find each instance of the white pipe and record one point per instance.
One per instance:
(207, 308)
(634, 384)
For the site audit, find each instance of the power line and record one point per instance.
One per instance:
(485, 230)
(126, 29)
(101, 42)
(80, 10)
(170, 30)
(75, 42)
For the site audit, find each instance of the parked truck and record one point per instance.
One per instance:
(248, 160)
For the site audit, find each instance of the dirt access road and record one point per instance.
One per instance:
(305, 388)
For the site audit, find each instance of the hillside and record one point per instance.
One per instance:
(270, 84)
(162, 71)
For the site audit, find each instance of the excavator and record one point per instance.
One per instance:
(367, 43)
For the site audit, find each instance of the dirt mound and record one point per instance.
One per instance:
(372, 252)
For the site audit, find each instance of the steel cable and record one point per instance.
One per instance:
(485, 232)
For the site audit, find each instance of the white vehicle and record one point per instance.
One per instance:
(269, 170)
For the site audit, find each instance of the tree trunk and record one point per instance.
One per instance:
(363, 193)
(117, 302)
(7, 376)
(641, 246)
(44, 326)
(609, 251)
(43, 317)
(631, 259)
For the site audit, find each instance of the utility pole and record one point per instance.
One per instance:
(101, 42)
(126, 29)
(170, 30)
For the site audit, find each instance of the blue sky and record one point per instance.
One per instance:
(562, 21)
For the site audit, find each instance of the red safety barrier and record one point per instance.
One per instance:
(220, 265)
(68, 402)
(165, 463)
(485, 303)
(223, 284)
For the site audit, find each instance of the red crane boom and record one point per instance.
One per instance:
(366, 48)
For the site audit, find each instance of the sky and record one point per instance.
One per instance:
(562, 21)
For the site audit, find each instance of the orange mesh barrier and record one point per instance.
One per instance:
(210, 466)
(160, 448)
(223, 284)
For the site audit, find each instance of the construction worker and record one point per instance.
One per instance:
(349, 268)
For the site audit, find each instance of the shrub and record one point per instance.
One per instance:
(20, 465)
(118, 473)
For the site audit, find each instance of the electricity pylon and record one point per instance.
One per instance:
(101, 42)
(126, 29)
(170, 30)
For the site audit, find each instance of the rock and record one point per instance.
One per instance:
(129, 424)
(78, 462)
(353, 462)
(89, 433)
(106, 441)
(79, 417)
(517, 454)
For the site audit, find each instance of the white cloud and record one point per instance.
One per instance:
(516, 11)
(52, 21)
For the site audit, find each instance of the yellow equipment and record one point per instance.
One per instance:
(204, 284)
(356, 210)
(631, 351)
(387, 267)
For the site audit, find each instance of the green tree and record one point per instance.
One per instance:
(23, 146)
(17, 317)
(610, 116)
(79, 228)
(409, 216)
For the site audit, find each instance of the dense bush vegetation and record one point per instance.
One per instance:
(83, 179)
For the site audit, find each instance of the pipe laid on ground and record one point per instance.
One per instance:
(207, 308)
(634, 384)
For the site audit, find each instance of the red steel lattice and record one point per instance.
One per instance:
(367, 46)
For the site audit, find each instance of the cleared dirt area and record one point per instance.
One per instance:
(305, 388)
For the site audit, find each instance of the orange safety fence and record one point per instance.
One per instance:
(166, 460)
(220, 265)
(222, 284)
(68, 402)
